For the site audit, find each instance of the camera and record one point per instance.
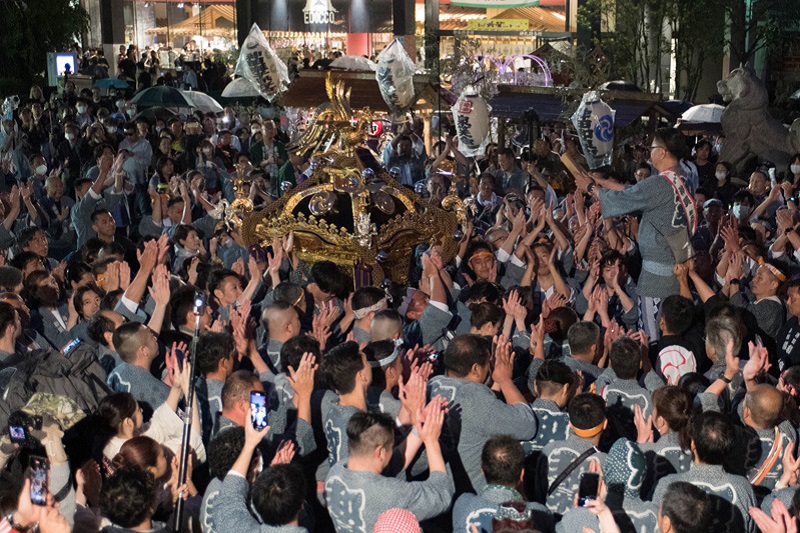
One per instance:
(19, 425)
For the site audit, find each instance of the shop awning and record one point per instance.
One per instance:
(548, 102)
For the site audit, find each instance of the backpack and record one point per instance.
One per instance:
(77, 376)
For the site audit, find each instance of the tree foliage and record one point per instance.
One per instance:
(639, 35)
(30, 30)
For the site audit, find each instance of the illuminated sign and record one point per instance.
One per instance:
(497, 25)
(319, 12)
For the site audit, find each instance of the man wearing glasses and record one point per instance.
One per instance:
(140, 153)
(669, 218)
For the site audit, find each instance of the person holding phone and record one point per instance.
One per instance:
(230, 511)
(614, 485)
(562, 462)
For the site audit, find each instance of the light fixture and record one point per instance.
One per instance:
(180, 5)
(147, 4)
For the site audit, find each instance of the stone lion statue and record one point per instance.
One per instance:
(749, 128)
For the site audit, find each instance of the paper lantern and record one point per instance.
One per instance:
(471, 116)
(594, 121)
(395, 76)
(260, 65)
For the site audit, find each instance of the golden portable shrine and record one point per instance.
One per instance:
(351, 211)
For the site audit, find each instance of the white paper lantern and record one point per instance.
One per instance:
(594, 121)
(471, 116)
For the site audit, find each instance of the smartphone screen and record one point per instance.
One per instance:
(587, 490)
(39, 476)
(258, 410)
(17, 434)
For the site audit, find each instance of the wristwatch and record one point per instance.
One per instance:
(725, 379)
(17, 527)
(735, 282)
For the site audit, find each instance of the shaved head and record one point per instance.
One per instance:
(765, 403)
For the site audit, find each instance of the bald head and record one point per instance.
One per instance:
(281, 320)
(387, 325)
(765, 404)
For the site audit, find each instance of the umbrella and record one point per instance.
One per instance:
(161, 96)
(203, 102)
(620, 85)
(704, 118)
(239, 87)
(154, 113)
(703, 114)
(354, 63)
(675, 108)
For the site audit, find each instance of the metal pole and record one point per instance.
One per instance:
(199, 309)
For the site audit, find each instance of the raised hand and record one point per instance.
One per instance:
(412, 395)
(125, 275)
(302, 379)
(644, 427)
(285, 453)
(431, 419)
(160, 290)
(758, 362)
(503, 360)
(781, 520)
(320, 330)
(238, 266)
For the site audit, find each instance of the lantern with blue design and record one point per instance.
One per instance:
(594, 122)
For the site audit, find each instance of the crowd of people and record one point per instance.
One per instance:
(612, 350)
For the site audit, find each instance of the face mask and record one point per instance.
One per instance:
(741, 211)
(121, 105)
(795, 169)
(159, 128)
(111, 130)
(41, 169)
(721, 175)
(70, 136)
(253, 132)
(81, 109)
(717, 147)
(207, 151)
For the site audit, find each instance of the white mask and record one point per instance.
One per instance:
(70, 136)
(159, 128)
(795, 169)
(207, 151)
(81, 109)
(111, 130)
(741, 211)
(721, 175)
(121, 105)
(41, 170)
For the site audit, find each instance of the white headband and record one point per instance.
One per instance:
(390, 358)
(380, 306)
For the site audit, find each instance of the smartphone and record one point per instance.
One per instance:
(258, 410)
(39, 474)
(71, 346)
(587, 490)
(17, 434)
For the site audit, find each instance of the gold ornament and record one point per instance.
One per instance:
(347, 213)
